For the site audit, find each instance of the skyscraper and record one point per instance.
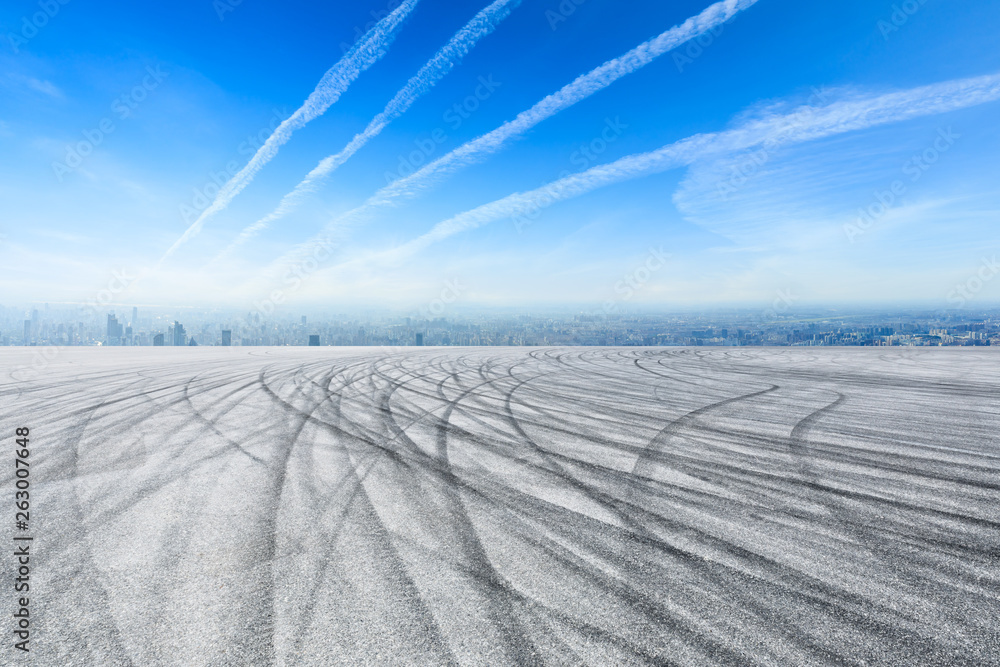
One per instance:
(313, 340)
(27, 332)
(420, 339)
(227, 337)
(158, 340)
(178, 334)
(115, 330)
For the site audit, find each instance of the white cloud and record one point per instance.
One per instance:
(482, 147)
(481, 25)
(855, 112)
(365, 53)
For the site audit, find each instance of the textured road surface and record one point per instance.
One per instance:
(490, 506)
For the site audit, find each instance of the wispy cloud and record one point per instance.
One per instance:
(365, 53)
(853, 112)
(37, 85)
(482, 147)
(65, 237)
(581, 88)
(481, 25)
(44, 87)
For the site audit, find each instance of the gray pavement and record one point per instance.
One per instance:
(493, 506)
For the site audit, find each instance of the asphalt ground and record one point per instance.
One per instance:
(493, 506)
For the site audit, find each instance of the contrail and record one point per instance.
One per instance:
(804, 124)
(582, 87)
(365, 53)
(481, 25)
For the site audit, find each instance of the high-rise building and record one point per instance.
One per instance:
(27, 332)
(178, 334)
(227, 337)
(115, 330)
(158, 340)
(313, 339)
(420, 339)
(303, 320)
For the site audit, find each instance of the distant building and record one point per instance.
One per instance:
(115, 330)
(227, 337)
(27, 332)
(303, 320)
(313, 339)
(420, 340)
(158, 340)
(178, 334)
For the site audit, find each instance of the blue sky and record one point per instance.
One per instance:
(790, 105)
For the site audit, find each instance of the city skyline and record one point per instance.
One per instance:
(783, 323)
(505, 154)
